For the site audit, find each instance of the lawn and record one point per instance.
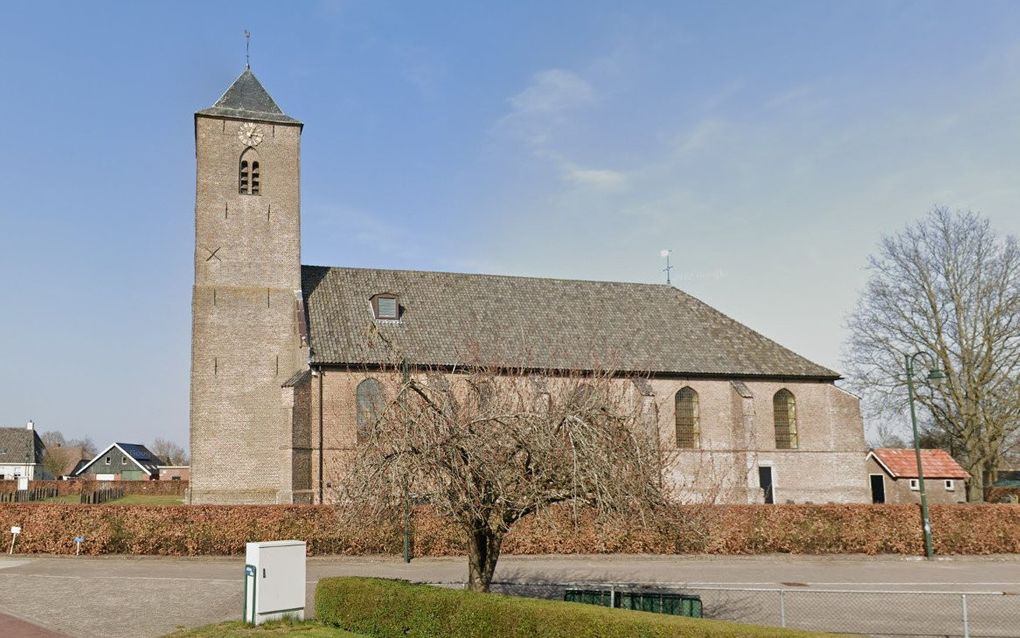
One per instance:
(130, 499)
(148, 499)
(235, 629)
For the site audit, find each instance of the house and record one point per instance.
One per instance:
(175, 472)
(21, 453)
(893, 476)
(122, 462)
(285, 356)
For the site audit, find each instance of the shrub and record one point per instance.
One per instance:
(394, 609)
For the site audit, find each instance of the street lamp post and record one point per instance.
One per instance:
(934, 374)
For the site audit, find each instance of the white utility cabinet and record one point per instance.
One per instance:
(274, 581)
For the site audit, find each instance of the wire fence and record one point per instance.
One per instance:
(971, 614)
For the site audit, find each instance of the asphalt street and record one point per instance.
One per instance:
(150, 596)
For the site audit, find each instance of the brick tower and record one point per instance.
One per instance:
(246, 338)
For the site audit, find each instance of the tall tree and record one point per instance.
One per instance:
(947, 285)
(169, 452)
(490, 447)
(55, 438)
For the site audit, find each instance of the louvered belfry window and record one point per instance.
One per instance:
(688, 428)
(249, 178)
(784, 408)
(370, 406)
(244, 180)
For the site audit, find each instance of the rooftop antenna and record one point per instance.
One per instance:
(665, 252)
(247, 49)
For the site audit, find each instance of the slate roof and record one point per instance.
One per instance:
(902, 463)
(16, 442)
(448, 319)
(247, 99)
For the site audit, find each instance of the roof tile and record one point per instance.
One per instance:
(902, 463)
(451, 319)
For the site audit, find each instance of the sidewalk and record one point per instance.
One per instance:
(17, 628)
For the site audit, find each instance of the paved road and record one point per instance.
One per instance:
(149, 596)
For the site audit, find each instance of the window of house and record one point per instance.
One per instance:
(688, 428)
(386, 306)
(123, 460)
(784, 410)
(915, 484)
(370, 406)
(950, 485)
(107, 460)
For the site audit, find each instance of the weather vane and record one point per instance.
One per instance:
(665, 252)
(247, 49)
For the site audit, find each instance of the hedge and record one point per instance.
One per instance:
(395, 609)
(194, 530)
(77, 486)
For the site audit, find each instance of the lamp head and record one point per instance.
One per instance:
(936, 376)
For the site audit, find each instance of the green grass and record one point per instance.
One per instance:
(67, 498)
(397, 609)
(148, 499)
(130, 499)
(235, 629)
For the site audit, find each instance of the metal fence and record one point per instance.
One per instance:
(869, 612)
(970, 614)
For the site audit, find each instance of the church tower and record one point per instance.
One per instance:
(247, 318)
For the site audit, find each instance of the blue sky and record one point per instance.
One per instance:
(768, 144)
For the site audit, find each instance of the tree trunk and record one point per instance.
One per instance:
(483, 552)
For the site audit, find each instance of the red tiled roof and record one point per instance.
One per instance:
(902, 463)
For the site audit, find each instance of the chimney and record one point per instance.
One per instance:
(31, 424)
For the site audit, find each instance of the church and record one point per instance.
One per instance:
(286, 356)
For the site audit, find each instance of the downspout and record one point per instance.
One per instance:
(321, 439)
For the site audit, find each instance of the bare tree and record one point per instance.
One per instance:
(55, 438)
(169, 452)
(488, 447)
(947, 285)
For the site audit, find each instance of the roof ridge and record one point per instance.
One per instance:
(494, 276)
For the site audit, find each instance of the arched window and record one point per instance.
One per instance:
(248, 174)
(485, 394)
(370, 406)
(244, 180)
(688, 428)
(784, 410)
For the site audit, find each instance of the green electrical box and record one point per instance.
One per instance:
(654, 601)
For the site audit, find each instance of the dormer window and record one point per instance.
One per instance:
(386, 306)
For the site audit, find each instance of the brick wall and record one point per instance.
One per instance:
(245, 340)
(737, 435)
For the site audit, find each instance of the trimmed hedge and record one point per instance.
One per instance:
(77, 486)
(194, 530)
(395, 609)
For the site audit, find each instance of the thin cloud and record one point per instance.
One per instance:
(553, 91)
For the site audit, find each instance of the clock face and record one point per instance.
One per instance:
(249, 134)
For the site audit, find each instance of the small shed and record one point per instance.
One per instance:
(894, 479)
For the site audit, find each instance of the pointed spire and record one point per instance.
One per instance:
(248, 99)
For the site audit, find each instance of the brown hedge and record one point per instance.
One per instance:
(722, 529)
(77, 486)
